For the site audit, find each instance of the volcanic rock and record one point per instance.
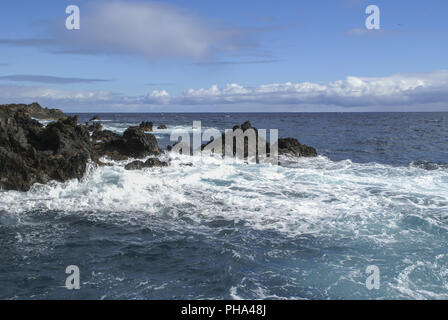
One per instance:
(289, 146)
(146, 126)
(134, 143)
(95, 127)
(293, 147)
(150, 163)
(33, 110)
(30, 153)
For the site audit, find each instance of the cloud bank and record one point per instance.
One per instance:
(400, 89)
(48, 79)
(150, 29)
(408, 90)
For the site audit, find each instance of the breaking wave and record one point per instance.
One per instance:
(326, 220)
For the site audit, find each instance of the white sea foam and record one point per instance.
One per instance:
(380, 205)
(309, 196)
(120, 128)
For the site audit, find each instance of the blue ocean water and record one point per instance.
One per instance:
(376, 195)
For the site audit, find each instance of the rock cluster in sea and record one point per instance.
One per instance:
(33, 153)
(34, 110)
(286, 146)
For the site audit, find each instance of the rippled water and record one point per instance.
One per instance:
(378, 195)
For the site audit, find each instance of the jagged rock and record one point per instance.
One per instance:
(293, 147)
(95, 127)
(30, 153)
(105, 135)
(33, 110)
(152, 162)
(246, 148)
(162, 127)
(246, 126)
(189, 164)
(134, 143)
(139, 144)
(95, 118)
(135, 165)
(146, 126)
(289, 146)
(102, 140)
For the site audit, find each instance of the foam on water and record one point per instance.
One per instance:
(287, 199)
(377, 213)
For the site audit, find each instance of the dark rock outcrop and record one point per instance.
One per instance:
(103, 145)
(30, 153)
(289, 146)
(150, 163)
(139, 144)
(246, 148)
(146, 126)
(293, 147)
(162, 127)
(105, 135)
(95, 118)
(134, 143)
(246, 126)
(33, 110)
(95, 127)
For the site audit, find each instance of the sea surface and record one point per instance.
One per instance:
(376, 196)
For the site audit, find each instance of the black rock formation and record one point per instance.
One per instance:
(292, 146)
(146, 126)
(31, 153)
(95, 127)
(289, 146)
(33, 110)
(150, 163)
(133, 143)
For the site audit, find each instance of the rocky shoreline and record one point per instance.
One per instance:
(32, 153)
(33, 110)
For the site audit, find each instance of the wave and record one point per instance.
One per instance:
(304, 196)
(356, 214)
(429, 165)
(158, 133)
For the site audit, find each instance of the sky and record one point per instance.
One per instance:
(225, 56)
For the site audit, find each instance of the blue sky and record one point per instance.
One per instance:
(225, 55)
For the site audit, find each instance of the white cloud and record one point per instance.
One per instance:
(78, 100)
(48, 79)
(400, 89)
(412, 91)
(152, 29)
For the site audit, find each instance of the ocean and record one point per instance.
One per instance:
(377, 195)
